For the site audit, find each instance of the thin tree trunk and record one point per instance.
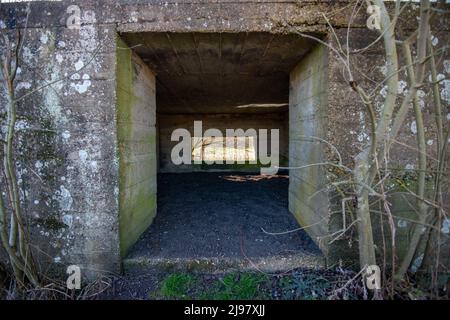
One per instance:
(20, 257)
(364, 162)
(432, 250)
(415, 81)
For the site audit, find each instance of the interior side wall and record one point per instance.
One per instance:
(136, 119)
(307, 118)
(167, 123)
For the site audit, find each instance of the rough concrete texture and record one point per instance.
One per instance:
(348, 130)
(308, 199)
(68, 148)
(210, 16)
(136, 136)
(221, 71)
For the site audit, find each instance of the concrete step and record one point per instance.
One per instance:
(273, 264)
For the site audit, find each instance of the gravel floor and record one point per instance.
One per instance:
(221, 215)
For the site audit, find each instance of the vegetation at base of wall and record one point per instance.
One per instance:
(237, 286)
(233, 286)
(299, 284)
(176, 286)
(54, 289)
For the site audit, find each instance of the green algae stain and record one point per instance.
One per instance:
(137, 200)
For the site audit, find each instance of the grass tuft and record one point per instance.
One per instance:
(176, 286)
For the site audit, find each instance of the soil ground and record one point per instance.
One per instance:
(299, 284)
(222, 215)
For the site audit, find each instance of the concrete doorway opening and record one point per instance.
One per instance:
(206, 214)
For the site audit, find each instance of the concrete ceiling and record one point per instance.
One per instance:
(220, 72)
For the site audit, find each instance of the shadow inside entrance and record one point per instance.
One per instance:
(222, 215)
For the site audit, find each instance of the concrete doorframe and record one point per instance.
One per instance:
(136, 85)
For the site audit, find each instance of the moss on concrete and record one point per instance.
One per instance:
(137, 197)
(51, 223)
(135, 219)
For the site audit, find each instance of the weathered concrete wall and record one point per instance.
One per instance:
(350, 127)
(136, 136)
(167, 123)
(307, 120)
(68, 135)
(205, 16)
(348, 130)
(66, 145)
